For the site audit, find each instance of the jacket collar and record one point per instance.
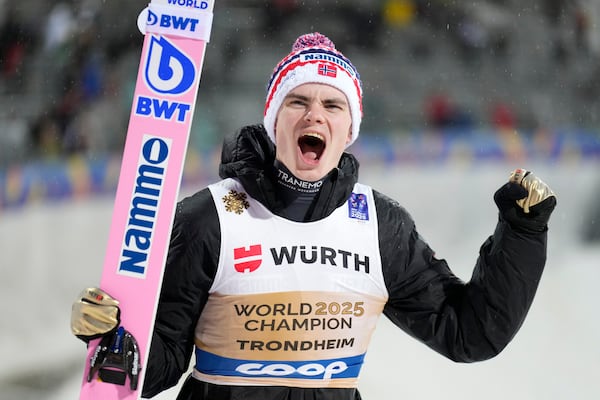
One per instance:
(249, 156)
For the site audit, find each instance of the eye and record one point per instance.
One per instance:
(294, 102)
(334, 105)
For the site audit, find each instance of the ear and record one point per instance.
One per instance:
(349, 137)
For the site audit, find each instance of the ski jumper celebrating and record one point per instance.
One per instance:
(277, 274)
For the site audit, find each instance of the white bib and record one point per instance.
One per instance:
(292, 304)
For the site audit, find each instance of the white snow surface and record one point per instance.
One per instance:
(50, 252)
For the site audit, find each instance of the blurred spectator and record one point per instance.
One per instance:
(502, 116)
(472, 38)
(46, 135)
(87, 66)
(582, 26)
(16, 41)
(59, 26)
(495, 21)
(438, 110)
(442, 113)
(14, 139)
(81, 78)
(64, 112)
(555, 11)
(99, 126)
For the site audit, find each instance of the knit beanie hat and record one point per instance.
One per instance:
(314, 59)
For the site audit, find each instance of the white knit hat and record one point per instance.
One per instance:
(314, 59)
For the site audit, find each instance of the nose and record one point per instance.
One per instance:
(314, 113)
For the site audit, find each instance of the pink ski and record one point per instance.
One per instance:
(176, 33)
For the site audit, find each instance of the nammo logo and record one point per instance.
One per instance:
(168, 70)
(247, 259)
(143, 206)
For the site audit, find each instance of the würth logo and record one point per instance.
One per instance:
(247, 259)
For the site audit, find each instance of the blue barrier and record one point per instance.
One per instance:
(79, 176)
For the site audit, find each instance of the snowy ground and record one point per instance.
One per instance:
(48, 253)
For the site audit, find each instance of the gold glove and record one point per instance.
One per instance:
(538, 190)
(95, 313)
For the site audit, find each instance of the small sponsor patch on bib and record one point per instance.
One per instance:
(358, 207)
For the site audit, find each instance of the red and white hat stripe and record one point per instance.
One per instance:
(302, 66)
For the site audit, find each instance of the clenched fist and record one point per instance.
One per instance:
(525, 202)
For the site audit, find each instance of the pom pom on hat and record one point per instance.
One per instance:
(312, 40)
(314, 59)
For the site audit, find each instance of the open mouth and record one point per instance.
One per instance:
(312, 146)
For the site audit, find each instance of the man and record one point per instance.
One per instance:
(276, 275)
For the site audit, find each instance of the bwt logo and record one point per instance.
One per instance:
(168, 70)
(247, 259)
(172, 21)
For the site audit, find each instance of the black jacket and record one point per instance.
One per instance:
(464, 321)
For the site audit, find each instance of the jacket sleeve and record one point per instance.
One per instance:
(189, 272)
(464, 321)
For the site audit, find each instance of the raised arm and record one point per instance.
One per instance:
(475, 320)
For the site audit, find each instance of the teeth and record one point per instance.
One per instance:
(315, 135)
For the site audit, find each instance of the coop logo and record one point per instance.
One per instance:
(313, 370)
(247, 259)
(143, 207)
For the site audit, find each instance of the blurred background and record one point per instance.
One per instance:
(456, 95)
